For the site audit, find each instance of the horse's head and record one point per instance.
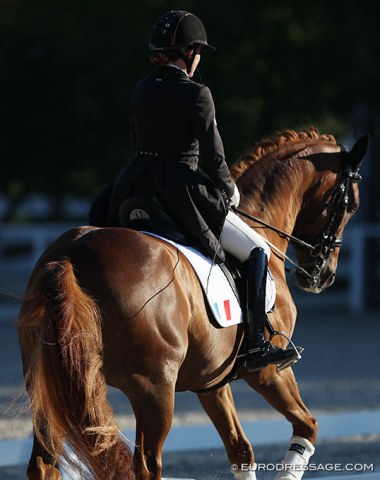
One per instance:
(327, 207)
(305, 184)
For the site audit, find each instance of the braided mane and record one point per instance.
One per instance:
(268, 145)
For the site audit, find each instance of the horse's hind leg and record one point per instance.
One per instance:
(153, 405)
(40, 465)
(220, 407)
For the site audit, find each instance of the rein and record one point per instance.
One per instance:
(8, 293)
(322, 249)
(281, 232)
(275, 229)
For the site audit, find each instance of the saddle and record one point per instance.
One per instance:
(150, 216)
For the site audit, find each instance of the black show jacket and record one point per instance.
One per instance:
(173, 125)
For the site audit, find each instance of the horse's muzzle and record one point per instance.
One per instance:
(311, 285)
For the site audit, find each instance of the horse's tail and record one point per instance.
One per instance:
(61, 342)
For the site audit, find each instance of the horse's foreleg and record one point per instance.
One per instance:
(220, 407)
(281, 391)
(41, 465)
(153, 405)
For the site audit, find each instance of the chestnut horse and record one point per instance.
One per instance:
(118, 307)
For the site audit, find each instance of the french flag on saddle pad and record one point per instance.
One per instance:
(223, 310)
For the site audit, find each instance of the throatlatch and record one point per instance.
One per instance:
(260, 352)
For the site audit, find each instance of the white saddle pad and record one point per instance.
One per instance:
(221, 298)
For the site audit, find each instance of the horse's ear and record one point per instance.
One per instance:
(358, 152)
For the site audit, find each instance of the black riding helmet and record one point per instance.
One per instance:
(177, 30)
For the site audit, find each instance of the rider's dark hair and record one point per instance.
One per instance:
(162, 58)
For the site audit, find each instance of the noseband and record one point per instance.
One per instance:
(323, 247)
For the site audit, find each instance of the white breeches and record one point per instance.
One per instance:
(239, 239)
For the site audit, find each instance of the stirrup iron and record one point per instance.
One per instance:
(297, 351)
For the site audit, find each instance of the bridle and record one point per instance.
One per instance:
(322, 248)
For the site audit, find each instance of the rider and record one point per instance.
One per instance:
(172, 121)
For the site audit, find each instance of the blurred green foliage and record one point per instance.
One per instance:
(67, 68)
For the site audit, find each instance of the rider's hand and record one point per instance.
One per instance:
(235, 199)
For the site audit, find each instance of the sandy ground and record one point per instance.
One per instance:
(341, 457)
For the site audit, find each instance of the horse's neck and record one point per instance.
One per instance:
(273, 191)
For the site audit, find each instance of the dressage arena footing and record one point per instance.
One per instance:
(261, 433)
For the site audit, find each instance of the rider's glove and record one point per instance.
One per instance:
(235, 199)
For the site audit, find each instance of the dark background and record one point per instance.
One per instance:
(67, 68)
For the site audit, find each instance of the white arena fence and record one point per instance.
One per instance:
(21, 245)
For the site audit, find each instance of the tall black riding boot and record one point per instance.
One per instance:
(260, 352)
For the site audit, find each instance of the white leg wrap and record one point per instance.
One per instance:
(296, 458)
(248, 475)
